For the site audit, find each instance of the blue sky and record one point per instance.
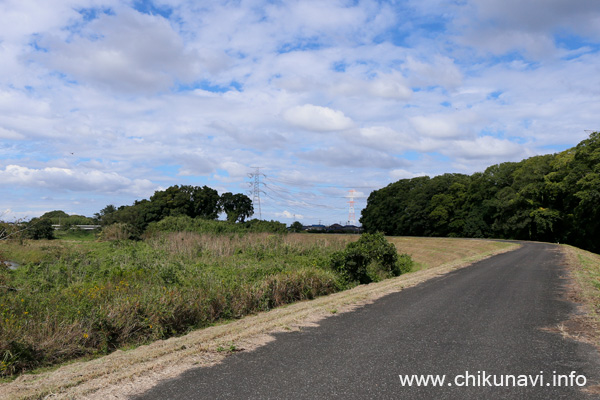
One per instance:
(105, 101)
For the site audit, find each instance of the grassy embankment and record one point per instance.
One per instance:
(303, 255)
(73, 298)
(585, 271)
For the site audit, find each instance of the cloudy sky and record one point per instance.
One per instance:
(105, 101)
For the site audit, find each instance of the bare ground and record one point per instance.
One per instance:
(125, 373)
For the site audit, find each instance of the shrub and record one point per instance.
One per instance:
(119, 231)
(370, 259)
(40, 228)
(199, 225)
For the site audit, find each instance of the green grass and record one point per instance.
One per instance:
(586, 271)
(78, 297)
(77, 234)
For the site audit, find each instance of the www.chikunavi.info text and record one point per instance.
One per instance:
(483, 379)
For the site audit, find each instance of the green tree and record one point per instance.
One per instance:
(296, 226)
(173, 201)
(554, 197)
(55, 216)
(205, 202)
(238, 206)
(40, 228)
(104, 215)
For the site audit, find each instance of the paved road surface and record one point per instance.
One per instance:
(487, 317)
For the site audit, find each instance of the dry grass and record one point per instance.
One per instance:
(192, 244)
(433, 252)
(124, 373)
(584, 290)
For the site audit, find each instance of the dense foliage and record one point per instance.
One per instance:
(191, 201)
(77, 298)
(67, 221)
(370, 259)
(198, 225)
(39, 228)
(554, 198)
(73, 298)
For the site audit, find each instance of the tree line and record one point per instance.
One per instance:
(192, 202)
(551, 198)
(179, 201)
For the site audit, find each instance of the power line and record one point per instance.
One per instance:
(288, 196)
(298, 197)
(307, 184)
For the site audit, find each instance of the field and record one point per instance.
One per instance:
(72, 298)
(81, 298)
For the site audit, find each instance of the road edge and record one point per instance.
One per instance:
(584, 326)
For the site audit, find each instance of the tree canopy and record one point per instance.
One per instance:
(238, 207)
(553, 198)
(192, 201)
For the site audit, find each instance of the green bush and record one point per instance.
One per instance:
(40, 228)
(370, 259)
(184, 223)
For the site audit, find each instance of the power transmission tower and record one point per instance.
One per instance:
(351, 213)
(256, 190)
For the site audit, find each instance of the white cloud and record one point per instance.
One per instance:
(317, 118)
(61, 179)
(288, 215)
(436, 126)
(93, 103)
(486, 147)
(348, 156)
(10, 134)
(129, 51)
(540, 15)
(384, 86)
(382, 138)
(397, 174)
(502, 26)
(440, 70)
(445, 126)
(391, 87)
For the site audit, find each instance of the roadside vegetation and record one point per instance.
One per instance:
(585, 269)
(124, 373)
(81, 297)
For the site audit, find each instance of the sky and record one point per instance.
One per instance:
(106, 101)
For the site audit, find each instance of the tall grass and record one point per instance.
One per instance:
(73, 299)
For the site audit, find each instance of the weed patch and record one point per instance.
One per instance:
(71, 299)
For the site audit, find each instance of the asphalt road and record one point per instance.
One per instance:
(471, 326)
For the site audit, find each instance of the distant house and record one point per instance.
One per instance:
(315, 228)
(335, 228)
(82, 227)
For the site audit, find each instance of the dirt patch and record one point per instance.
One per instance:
(125, 373)
(579, 327)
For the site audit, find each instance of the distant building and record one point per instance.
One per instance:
(82, 227)
(335, 228)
